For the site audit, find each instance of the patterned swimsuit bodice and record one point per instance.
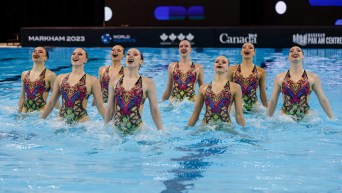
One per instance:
(296, 96)
(249, 87)
(34, 92)
(184, 83)
(105, 82)
(127, 106)
(217, 105)
(72, 99)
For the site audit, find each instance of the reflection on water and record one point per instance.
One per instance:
(193, 164)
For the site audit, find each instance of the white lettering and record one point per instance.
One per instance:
(56, 38)
(121, 36)
(46, 38)
(75, 38)
(334, 40)
(312, 40)
(321, 40)
(226, 39)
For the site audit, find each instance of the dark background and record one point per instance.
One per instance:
(48, 13)
(139, 13)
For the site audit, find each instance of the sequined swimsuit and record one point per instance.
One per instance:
(72, 100)
(127, 106)
(249, 87)
(34, 91)
(105, 82)
(184, 83)
(296, 96)
(217, 105)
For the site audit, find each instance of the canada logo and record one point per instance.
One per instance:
(173, 37)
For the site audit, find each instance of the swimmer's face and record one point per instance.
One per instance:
(117, 52)
(79, 57)
(296, 54)
(134, 58)
(39, 54)
(184, 47)
(247, 50)
(221, 64)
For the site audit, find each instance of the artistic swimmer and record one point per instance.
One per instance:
(183, 76)
(219, 96)
(127, 95)
(296, 85)
(75, 88)
(36, 83)
(249, 77)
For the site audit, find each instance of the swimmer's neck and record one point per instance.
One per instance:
(77, 70)
(38, 66)
(132, 73)
(247, 62)
(220, 77)
(296, 68)
(184, 60)
(116, 64)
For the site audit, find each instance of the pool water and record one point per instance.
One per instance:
(269, 155)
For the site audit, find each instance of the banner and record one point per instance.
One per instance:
(280, 37)
(266, 37)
